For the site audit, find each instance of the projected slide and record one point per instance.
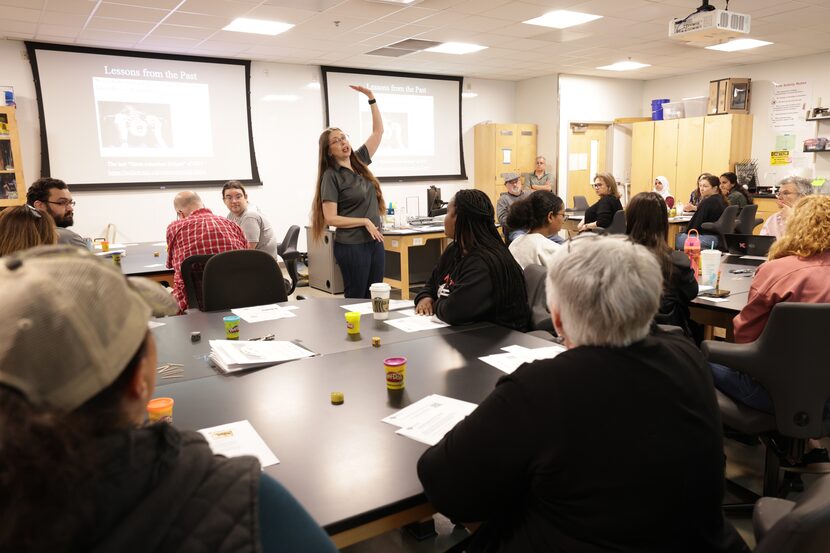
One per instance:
(113, 121)
(421, 119)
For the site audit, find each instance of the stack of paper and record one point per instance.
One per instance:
(366, 308)
(236, 355)
(428, 419)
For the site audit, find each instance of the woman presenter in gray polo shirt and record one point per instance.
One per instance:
(349, 197)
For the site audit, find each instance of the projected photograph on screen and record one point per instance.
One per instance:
(421, 120)
(119, 119)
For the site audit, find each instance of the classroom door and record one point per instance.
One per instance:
(587, 145)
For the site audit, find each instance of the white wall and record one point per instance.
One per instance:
(285, 140)
(813, 69)
(536, 102)
(597, 99)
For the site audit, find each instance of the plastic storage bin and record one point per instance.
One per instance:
(695, 107)
(673, 110)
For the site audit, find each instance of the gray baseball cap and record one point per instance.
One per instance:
(73, 322)
(509, 176)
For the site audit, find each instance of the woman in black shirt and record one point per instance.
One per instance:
(709, 210)
(602, 212)
(647, 223)
(477, 278)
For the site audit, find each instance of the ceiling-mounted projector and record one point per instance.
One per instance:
(706, 28)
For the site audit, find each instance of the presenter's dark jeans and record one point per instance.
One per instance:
(361, 265)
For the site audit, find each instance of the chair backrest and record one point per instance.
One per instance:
(287, 250)
(289, 243)
(617, 225)
(242, 278)
(788, 360)
(580, 203)
(724, 225)
(805, 529)
(192, 270)
(746, 219)
(535, 277)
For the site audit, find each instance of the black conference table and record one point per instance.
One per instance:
(720, 314)
(351, 471)
(320, 326)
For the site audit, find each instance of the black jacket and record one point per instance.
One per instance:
(597, 450)
(463, 292)
(603, 211)
(709, 210)
(679, 289)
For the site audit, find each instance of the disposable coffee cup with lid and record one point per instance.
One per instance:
(379, 292)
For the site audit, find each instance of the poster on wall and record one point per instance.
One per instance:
(789, 103)
(788, 106)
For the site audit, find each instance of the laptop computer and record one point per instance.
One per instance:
(747, 249)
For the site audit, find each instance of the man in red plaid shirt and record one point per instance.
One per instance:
(197, 231)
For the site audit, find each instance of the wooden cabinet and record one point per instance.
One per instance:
(502, 148)
(12, 185)
(727, 140)
(681, 149)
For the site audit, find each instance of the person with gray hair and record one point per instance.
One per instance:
(790, 190)
(524, 466)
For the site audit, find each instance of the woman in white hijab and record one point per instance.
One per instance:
(661, 186)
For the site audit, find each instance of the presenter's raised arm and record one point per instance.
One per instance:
(373, 141)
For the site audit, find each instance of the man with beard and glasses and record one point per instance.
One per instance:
(54, 197)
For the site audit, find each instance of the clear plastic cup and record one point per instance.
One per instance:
(710, 267)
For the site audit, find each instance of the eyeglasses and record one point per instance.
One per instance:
(65, 203)
(598, 184)
(339, 140)
(780, 194)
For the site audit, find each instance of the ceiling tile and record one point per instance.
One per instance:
(120, 25)
(132, 13)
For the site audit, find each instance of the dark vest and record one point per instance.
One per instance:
(162, 490)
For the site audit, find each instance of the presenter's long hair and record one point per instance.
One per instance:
(476, 234)
(326, 161)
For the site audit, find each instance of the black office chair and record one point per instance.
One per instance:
(287, 250)
(535, 276)
(192, 270)
(617, 225)
(747, 221)
(723, 226)
(801, 526)
(242, 278)
(787, 360)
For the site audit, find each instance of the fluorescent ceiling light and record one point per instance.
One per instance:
(280, 98)
(562, 19)
(313, 85)
(624, 66)
(468, 94)
(257, 26)
(739, 44)
(456, 48)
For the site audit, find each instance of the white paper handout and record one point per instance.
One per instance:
(516, 356)
(416, 323)
(259, 313)
(239, 438)
(714, 300)
(366, 307)
(429, 419)
(238, 355)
